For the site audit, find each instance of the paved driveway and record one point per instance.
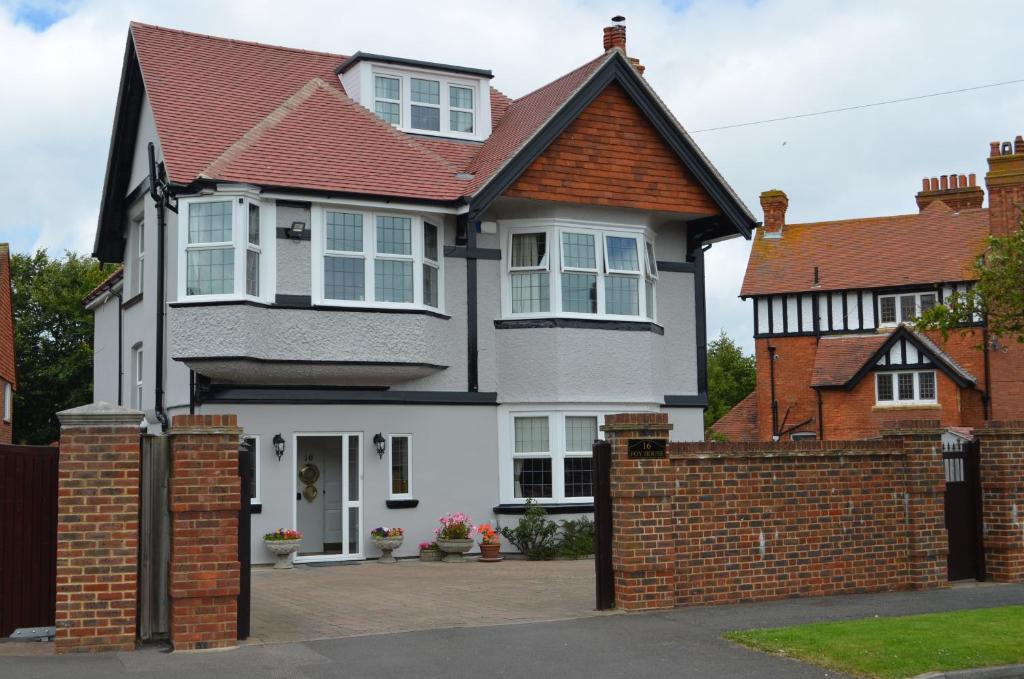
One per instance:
(361, 598)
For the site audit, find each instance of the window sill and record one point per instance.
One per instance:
(301, 304)
(909, 406)
(132, 301)
(402, 504)
(561, 508)
(579, 323)
(255, 508)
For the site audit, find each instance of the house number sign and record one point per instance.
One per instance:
(645, 449)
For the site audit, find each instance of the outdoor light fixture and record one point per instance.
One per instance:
(279, 446)
(379, 443)
(296, 230)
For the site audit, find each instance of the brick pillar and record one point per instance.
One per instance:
(97, 528)
(927, 542)
(643, 517)
(1002, 487)
(204, 495)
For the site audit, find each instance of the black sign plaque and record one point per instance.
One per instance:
(645, 449)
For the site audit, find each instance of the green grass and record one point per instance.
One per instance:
(903, 646)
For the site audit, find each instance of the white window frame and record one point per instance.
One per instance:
(459, 109)
(556, 452)
(370, 255)
(239, 201)
(435, 264)
(401, 108)
(553, 230)
(422, 104)
(391, 494)
(138, 281)
(445, 81)
(137, 376)
(8, 395)
(256, 466)
(896, 297)
(896, 401)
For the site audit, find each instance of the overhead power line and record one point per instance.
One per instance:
(859, 106)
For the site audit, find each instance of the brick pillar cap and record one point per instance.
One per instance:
(100, 414)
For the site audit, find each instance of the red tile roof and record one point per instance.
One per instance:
(115, 275)
(935, 246)
(839, 357)
(740, 423)
(276, 116)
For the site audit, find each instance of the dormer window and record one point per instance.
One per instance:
(460, 105)
(388, 102)
(426, 104)
(896, 309)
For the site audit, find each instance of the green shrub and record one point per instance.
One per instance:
(577, 539)
(534, 535)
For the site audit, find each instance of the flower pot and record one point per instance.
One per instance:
(282, 551)
(489, 552)
(454, 549)
(386, 546)
(430, 555)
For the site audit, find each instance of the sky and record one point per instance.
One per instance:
(714, 62)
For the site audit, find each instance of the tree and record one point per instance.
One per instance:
(998, 295)
(731, 377)
(52, 339)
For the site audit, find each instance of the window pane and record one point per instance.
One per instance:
(461, 121)
(622, 254)
(388, 112)
(254, 224)
(252, 273)
(580, 433)
(928, 301)
(652, 264)
(579, 477)
(344, 278)
(388, 88)
(926, 386)
(531, 435)
(528, 249)
(530, 293)
(579, 293)
(251, 442)
(394, 235)
(578, 251)
(429, 285)
(399, 465)
(621, 296)
(884, 382)
(425, 91)
(887, 308)
(344, 231)
(210, 272)
(353, 468)
(460, 97)
(905, 383)
(908, 307)
(533, 477)
(209, 222)
(426, 118)
(649, 299)
(393, 280)
(430, 241)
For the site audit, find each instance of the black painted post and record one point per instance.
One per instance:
(246, 453)
(602, 451)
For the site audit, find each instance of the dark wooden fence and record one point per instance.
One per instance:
(28, 536)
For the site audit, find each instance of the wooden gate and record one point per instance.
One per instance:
(28, 537)
(963, 511)
(154, 540)
(246, 466)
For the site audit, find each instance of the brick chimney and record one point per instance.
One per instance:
(958, 192)
(1005, 182)
(774, 204)
(615, 36)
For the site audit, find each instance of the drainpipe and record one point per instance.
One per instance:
(775, 404)
(120, 348)
(158, 192)
(821, 416)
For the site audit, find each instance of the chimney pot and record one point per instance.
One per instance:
(944, 182)
(935, 183)
(973, 179)
(957, 191)
(925, 184)
(774, 204)
(993, 149)
(1007, 149)
(963, 181)
(1018, 144)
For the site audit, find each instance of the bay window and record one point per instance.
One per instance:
(905, 388)
(222, 246)
(551, 457)
(600, 274)
(375, 259)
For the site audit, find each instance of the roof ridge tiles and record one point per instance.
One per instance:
(220, 38)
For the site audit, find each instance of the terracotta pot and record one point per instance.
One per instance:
(490, 552)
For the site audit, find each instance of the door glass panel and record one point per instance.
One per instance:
(353, 530)
(353, 468)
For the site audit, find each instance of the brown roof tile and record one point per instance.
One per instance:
(740, 423)
(839, 357)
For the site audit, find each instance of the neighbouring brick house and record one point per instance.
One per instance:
(8, 382)
(834, 303)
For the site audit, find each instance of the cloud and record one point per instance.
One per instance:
(714, 62)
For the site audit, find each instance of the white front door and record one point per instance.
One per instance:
(331, 517)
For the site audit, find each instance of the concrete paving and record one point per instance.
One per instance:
(673, 644)
(363, 598)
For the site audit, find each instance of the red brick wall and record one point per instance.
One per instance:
(7, 363)
(204, 496)
(716, 523)
(97, 534)
(1002, 485)
(792, 383)
(1006, 366)
(611, 155)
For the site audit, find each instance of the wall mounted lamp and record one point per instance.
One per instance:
(279, 446)
(380, 444)
(296, 230)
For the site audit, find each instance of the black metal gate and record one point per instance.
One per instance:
(963, 511)
(246, 453)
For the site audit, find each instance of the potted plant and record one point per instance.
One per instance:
(283, 543)
(490, 543)
(453, 536)
(429, 551)
(387, 541)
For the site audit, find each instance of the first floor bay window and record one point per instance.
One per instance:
(597, 273)
(551, 457)
(220, 248)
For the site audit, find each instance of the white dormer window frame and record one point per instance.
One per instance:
(905, 307)
(248, 251)
(448, 85)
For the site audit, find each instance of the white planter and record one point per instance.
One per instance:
(386, 546)
(282, 551)
(454, 549)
